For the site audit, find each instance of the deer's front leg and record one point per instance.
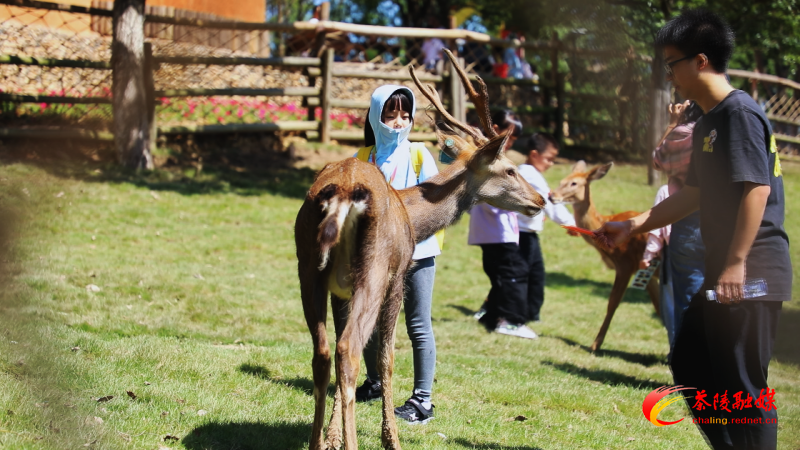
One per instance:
(620, 286)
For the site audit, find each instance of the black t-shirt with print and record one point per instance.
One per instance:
(732, 144)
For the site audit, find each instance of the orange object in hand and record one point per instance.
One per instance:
(600, 238)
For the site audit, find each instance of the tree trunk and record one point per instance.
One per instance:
(659, 99)
(131, 124)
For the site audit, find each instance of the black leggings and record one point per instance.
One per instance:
(508, 273)
(532, 254)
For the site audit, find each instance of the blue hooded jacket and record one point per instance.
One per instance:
(393, 154)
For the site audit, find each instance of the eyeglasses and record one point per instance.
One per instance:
(668, 66)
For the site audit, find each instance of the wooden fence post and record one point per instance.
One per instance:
(325, 94)
(131, 126)
(636, 145)
(558, 133)
(457, 94)
(150, 95)
(325, 14)
(659, 99)
(558, 85)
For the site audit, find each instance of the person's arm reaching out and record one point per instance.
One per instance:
(674, 208)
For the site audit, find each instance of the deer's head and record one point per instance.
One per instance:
(493, 178)
(574, 188)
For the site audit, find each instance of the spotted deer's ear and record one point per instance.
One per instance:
(599, 171)
(579, 167)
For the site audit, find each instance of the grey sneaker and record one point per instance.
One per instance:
(414, 413)
(504, 327)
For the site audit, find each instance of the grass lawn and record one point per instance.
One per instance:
(179, 297)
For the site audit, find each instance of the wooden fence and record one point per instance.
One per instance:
(581, 111)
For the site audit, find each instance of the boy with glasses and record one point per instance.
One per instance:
(723, 348)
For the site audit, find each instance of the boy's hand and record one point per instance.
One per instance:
(644, 264)
(730, 284)
(573, 233)
(675, 111)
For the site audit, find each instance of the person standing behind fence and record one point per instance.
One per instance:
(682, 256)
(543, 149)
(497, 232)
(404, 164)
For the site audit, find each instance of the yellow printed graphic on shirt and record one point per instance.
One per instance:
(708, 141)
(773, 148)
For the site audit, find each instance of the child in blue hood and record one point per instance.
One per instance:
(389, 122)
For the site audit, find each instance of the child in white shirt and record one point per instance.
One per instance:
(543, 151)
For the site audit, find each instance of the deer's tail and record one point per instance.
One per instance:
(342, 211)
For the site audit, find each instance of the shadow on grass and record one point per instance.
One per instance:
(478, 445)
(608, 377)
(462, 309)
(647, 359)
(221, 169)
(598, 288)
(303, 385)
(244, 436)
(786, 349)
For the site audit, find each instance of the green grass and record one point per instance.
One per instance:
(199, 310)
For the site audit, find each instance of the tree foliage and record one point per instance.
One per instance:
(767, 31)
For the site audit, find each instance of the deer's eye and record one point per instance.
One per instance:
(574, 184)
(511, 172)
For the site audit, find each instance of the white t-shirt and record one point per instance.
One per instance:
(557, 213)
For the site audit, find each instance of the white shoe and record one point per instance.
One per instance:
(515, 330)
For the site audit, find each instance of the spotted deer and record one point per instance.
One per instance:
(355, 236)
(625, 257)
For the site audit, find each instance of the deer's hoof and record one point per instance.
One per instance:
(596, 346)
(334, 442)
(390, 444)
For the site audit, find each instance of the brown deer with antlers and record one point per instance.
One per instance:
(355, 236)
(624, 258)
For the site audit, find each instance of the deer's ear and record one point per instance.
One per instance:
(492, 150)
(579, 167)
(600, 171)
(452, 144)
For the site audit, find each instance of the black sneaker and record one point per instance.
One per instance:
(369, 391)
(414, 413)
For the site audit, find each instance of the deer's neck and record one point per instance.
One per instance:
(586, 216)
(438, 202)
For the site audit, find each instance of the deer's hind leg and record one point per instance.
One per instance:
(315, 309)
(364, 308)
(340, 310)
(654, 291)
(387, 331)
(621, 281)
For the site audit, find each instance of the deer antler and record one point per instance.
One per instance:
(481, 101)
(430, 93)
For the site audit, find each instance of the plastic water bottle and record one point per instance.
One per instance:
(757, 287)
